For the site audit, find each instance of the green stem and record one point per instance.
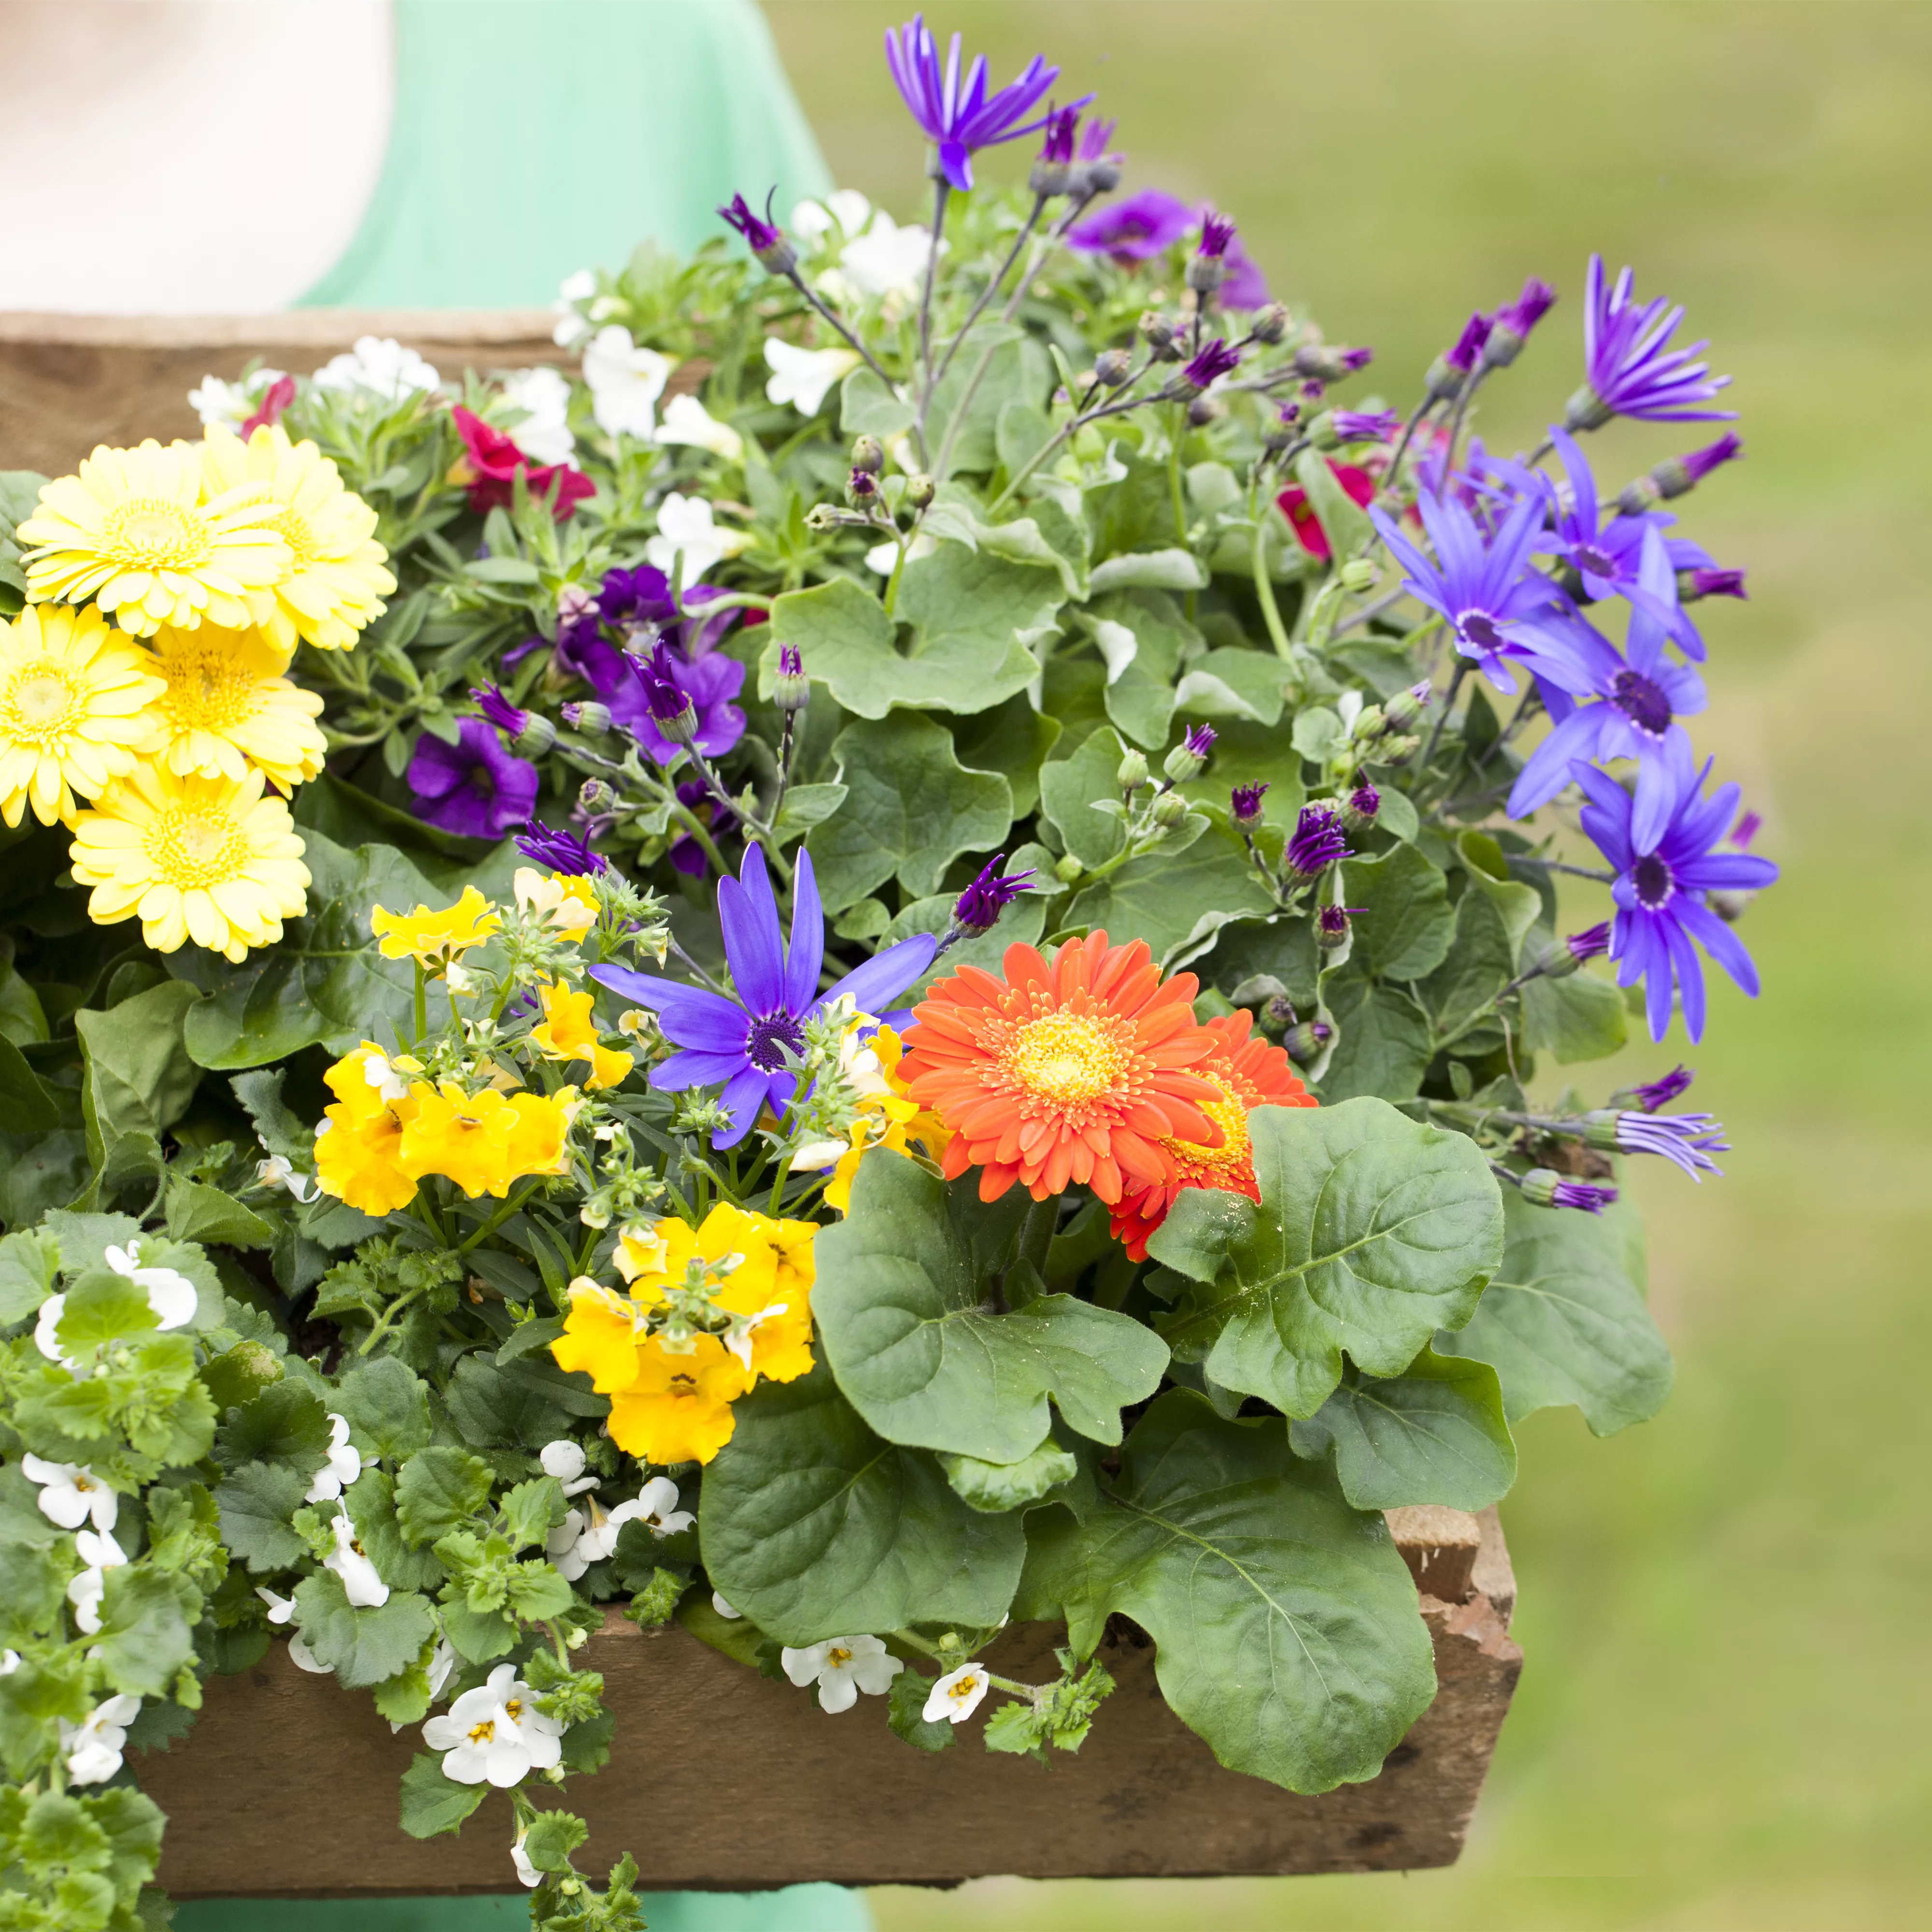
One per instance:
(388, 1320)
(422, 1005)
(497, 1219)
(1265, 592)
(1177, 422)
(778, 1188)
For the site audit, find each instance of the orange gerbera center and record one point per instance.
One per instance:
(1230, 1114)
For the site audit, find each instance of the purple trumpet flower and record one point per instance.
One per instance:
(1687, 1140)
(981, 903)
(1318, 842)
(1638, 697)
(663, 687)
(1653, 1094)
(1660, 887)
(562, 850)
(1498, 608)
(1547, 1188)
(507, 718)
(740, 1043)
(1214, 360)
(1145, 225)
(1366, 426)
(1629, 368)
(960, 118)
(473, 786)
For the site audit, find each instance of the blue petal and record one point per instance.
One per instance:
(887, 974)
(704, 1021)
(750, 918)
(807, 937)
(1690, 970)
(1657, 789)
(695, 1070)
(743, 1100)
(648, 989)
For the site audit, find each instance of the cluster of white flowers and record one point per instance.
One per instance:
(686, 528)
(588, 1535)
(544, 435)
(380, 364)
(227, 406)
(343, 1466)
(495, 1734)
(879, 258)
(94, 1746)
(804, 377)
(278, 1170)
(842, 1666)
(171, 1295)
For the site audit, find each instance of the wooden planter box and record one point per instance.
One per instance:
(283, 1770)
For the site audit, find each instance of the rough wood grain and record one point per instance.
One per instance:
(723, 1779)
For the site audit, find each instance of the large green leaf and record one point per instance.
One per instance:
(25, 1103)
(140, 1078)
(1576, 1017)
(1178, 904)
(1403, 919)
(911, 809)
(1564, 1322)
(921, 1350)
(1371, 1233)
(361, 1646)
(814, 1527)
(1285, 1621)
(1433, 1434)
(1070, 788)
(1014, 740)
(1382, 1043)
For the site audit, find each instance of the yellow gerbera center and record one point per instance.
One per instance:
(42, 705)
(209, 689)
(1231, 1118)
(189, 847)
(1069, 1057)
(292, 528)
(150, 533)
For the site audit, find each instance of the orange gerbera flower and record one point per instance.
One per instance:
(1248, 1073)
(1087, 1070)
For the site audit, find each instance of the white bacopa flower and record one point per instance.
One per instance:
(100, 1553)
(625, 382)
(442, 1662)
(379, 363)
(303, 1658)
(93, 1747)
(495, 1733)
(173, 1297)
(362, 1581)
(278, 1171)
(841, 1667)
(655, 1506)
(564, 1459)
(577, 1542)
(845, 208)
(958, 1694)
(571, 329)
(884, 557)
(71, 1494)
(685, 527)
(46, 1333)
(280, 1609)
(804, 377)
(229, 405)
(343, 1466)
(887, 260)
(723, 1608)
(544, 435)
(521, 1858)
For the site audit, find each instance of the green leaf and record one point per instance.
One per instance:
(101, 1306)
(371, 1499)
(1403, 929)
(1022, 541)
(552, 1837)
(1371, 1233)
(1232, 683)
(919, 1351)
(975, 614)
(737, 1638)
(1177, 903)
(1284, 1622)
(256, 1503)
(805, 806)
(196, 1212)
(993, 1487)
(386, 1405)
(529, 1510)
(1382, 1042)
(286, 1424)
(1013, 740)
(1348, 529)
(280, 1130)
(1069, 788)
(147, 1628)
(1577, 1017)
(1149, 570)
(432, 1803)
(437, 1489)
(905, 1713)
(27, 1106)
(139, 1078)
(911, 809)
(496, 1407)
(1434, 1434)
(363, 1647)
(866, 407)
(1564, 1322)
(29, 1261)
(812, 1525)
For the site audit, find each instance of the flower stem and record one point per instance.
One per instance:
(991, 289)
(512, 1205)
(832, 315)
(1414, 423)
(1461, 671)
(422, 1005)
(1265, 593)
(941, 189)
(779, 1187)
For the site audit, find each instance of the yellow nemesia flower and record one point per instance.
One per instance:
(434, 938)
(539, 1140)
(336, 582)
(466, 1136)
(137, 532)
(569, 1032)
(679, 1408)
(76, 699)
(566, 904)
(600, 1336)
(886, 1118)
(200, 859)
(640, 1250)
(357, 1161)
(227, 707)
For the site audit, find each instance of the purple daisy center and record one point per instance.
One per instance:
(1643, 703)
(1481, 630)
(767, 1035)
(1588, 557)
(1654, 885)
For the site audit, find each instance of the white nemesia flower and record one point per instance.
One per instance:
(229, 405)
(303, 1658)
(173, 1297)
(526, 1871)
(94, 1746)
(343, 1466)
(280, 1609)
(625, 382)
(384, 1078)
(958, 1694)
(844, 207)
(101, 1553)
(71, 1493)
(804, 377)
(883, 557)
(379, 363)
(544, 435)
(563, 912)
(278, 1171)
(564, 1459)
(495, 1732)
(458, 977)
(723, 1608)
(841, 1667)
(686, 420)
(655, 1506)
(685, 528)
(887, 260)
(571, 329)
(362, 1581)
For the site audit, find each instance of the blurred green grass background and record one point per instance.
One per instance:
(1725, 1714)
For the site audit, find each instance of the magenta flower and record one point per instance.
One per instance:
(473, 786)
(1629, 367)
(658, 691)
(1145, 225)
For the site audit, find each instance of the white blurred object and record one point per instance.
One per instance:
(218, 218)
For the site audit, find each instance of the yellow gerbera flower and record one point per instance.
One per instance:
(569, 1032)
(203, 859)
(432, 939)
(336, 582)
(136, 532)
(226, 707)
(75, 698)
(466, 1136)
(678, 1409)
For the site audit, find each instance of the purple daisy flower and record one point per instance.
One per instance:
(737, 1043)
(473, 786)
(1687, 1140)
(1652, 1094)
(1366, 426)
(1213, 360)
(960, 118)
(1629, 368)
(1660, 890)
(562, 850)
(708, 685)
(1637, 697)
(1145, 225)
(1318, 841)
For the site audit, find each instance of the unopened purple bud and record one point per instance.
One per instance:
(509, 718)
(1328, 364)
(1217, 231)
(1591, 944)
(1699, 463)
(1512, 323)
(1200, 741)
(1244, 806)
(1745, 830)
(1052, 173)
(1407, 709)
(1313, 391)
(671, 708)
(1364, 802)
(791, 689)
(1303, 1044)
(1655, 1093)
(1331, 925)
(763, 237)
(1676, 475)
(1185, 760)
(591, 718)
(861, 486)
(979, 906)
(1366, 426)
(1214, 361)
(1693, 584)
(1469, 344)
(1318, 842)
(1547, 1188)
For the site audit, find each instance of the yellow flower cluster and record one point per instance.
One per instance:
(389, 1128)
(671, 1401)
(885, 1117)
(223, 557)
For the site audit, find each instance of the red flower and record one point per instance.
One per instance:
(280, 393)
(1360, 487)
(1248, 1073)
(494, 461)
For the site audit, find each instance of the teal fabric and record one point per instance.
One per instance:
(533, 138)
(800, 1908)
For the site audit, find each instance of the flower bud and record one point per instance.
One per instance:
(1407, 709)
(1132, 772)
(595, 796)
(1369, 723)
(1270, 324)
(1317, 359)
(919, 491)
(861, 489)
(868, 454)
(1304, 1044)
(1169, 810)
(1359, 808)
(1112, 367)
(591, 718)
(1204, 410)
(1157, 332)
(1067, 868)
(1357, 574)
(1398, 750)
(1331, 927)
(537, 736)
(791, 689)
(1320, 432)
(1206, 273)
(1188, 758)
(1244, 806)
